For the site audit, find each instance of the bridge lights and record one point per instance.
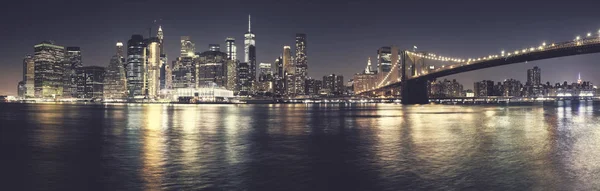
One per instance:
(577, 38)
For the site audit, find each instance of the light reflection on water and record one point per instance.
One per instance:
(301, 147)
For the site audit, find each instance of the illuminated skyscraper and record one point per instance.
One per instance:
(48, 70)
(28, 76)
(115, 81)
(212, 67)
(160, 35)
(384, 60)
(265, 78)
(90, 82)
(136, 67)
(187, 47)
(289, 79)
(231, 74)
(120, 52)
(153, 65)
(243, 83)
(301, 64)
(250, 57)
(231, 48)
(73, 61)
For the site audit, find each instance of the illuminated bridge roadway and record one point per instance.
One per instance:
(414, 83)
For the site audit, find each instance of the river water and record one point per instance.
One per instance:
(300, 147)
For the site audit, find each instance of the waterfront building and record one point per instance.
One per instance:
(211, 66)
(301, 64)
(334, 84)
(231, 74)
(115, 80)
(136, 67)
(265, 78)
(90, 82)
(365, 80)
(21, 89)
(313, 86)
(289, 78)
(48, 70)
(184, 73)
(484, 88)
(73, 61)
(29, 76)
(153, 64)
(512, 88)
(243, 80)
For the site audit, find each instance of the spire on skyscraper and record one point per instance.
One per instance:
(249, 22)
(579, 78)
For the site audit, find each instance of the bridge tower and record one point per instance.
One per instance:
(414, 91)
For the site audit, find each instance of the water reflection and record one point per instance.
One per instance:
(306, 146)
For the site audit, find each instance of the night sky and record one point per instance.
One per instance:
(341, 35)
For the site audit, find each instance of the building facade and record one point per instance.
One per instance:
(136, 67)
(153, 64)
(301, 64)
(90, 82)
(212, 67)
(115, 80)
(29, 76)
(73, 61)
(48, 70)
(250, 55)
(231, 48)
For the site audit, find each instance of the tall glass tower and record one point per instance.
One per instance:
(250, 57)
(136, 67)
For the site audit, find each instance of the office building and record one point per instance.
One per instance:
(90, 82)
(301, 64)
(484, 88)
(231, 74)
(184, 73)
(212, 67)
(136, 67)
(250, 55)
(153, 64)
(243, 79)
(48, 70)
(28, 76)
(333, 84)
(115, 80)
(231, 48)
(187, 47)
(72, 62)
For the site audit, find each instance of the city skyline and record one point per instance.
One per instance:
(332, 49)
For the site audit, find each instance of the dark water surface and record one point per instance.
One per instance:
(299, 147)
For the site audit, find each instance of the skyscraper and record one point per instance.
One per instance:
(212, 67)
(231, 74)
(160, 35)
(120, 53)
(243, 81)
(231, 48)
(153, 64)
(28, 76)
(48, 70)
(187, 47)
(301, 64)
(136, 67)
(384, 60)
(334, 84)
(90, 82)
(115, 81)
(250, 57)
(165, 68)
(265, 78)
(72, 62)
(289, 77)
(534, 76)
